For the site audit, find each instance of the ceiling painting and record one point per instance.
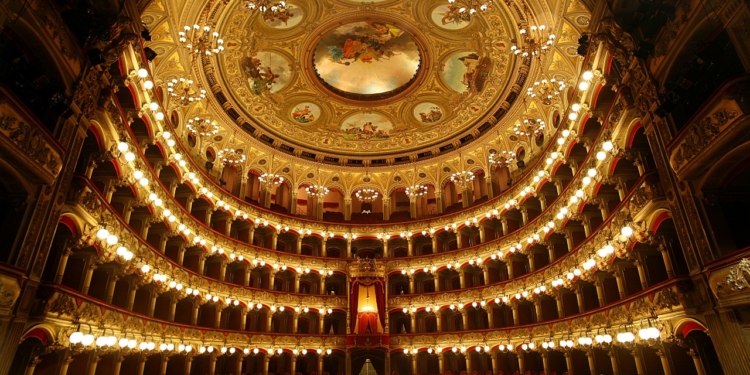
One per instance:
(366, 126)
(466, 71)
(450, 17)
(428, 113)
(367, 58)
(375, 80)
(285, 18)
(266, 72)
(305, 113)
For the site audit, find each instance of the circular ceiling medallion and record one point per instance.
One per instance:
(367, 60)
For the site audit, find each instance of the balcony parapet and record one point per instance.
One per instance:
(60, 305)
(27, 141)
(665, 300)
(713, 128)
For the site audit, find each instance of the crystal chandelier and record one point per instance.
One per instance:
(530, 127)
(204, 127)
(546, 90)
(502, 158)
(317, 190)
(182, 90)
(231, 156)
(264, 6)
(200, 40)
(472, 6)
(367, 194)
(416, 190)
(536, 41)
(462, 178)
(271, 179)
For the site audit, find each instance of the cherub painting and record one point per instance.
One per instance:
(454, 15)
(366, 126)
(367, 57)
(467, 71)
(266, 72)
(305, 113)
(450, 17)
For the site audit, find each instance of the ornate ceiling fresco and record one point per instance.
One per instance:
(338, 80)
(366, 80)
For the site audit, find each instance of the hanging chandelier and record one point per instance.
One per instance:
(182, 90)
(462, 178)
(547, 90)
(536, 41)
(202, 126)
(230, 156)
(472, 6)
(317, 190)
(367, 194)
(200, 40)
(530, 127)
(502, 158)
(271, 179)
(416, 190)
(264, 6)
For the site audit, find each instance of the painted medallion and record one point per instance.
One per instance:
(465, 71)
(428, 113)
(362, 59)
(267, 72)
(451, 17)
(362, 126)
(284, 18)
(305, 113)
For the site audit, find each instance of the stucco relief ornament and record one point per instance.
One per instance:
(737, 280)
(701, 134)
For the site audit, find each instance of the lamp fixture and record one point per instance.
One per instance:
(201, 40)
(504, 157)
(474, 6)
(463, 178)
(231, 156)
(271, 179)
(182, 90)
(529, 126)
(367, 194)
(202, 126)
(416, 190)
(317, 190)
(536, 40)
(546, 90)
(263, 6)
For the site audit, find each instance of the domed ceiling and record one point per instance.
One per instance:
(365, 78)
(358, 84)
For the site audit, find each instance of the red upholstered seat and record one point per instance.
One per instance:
(448, 373)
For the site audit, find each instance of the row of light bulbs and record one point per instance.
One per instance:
(167, 136)
(645, 334)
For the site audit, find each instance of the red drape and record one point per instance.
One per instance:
(366, 318)
(380, 298)
(353, 302)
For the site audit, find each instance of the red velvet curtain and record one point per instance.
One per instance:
(366, 318)
(353, 302)
(380, 298)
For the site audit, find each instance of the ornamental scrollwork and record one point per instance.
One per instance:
(700, 135)
(737, 280)
(32, 142)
